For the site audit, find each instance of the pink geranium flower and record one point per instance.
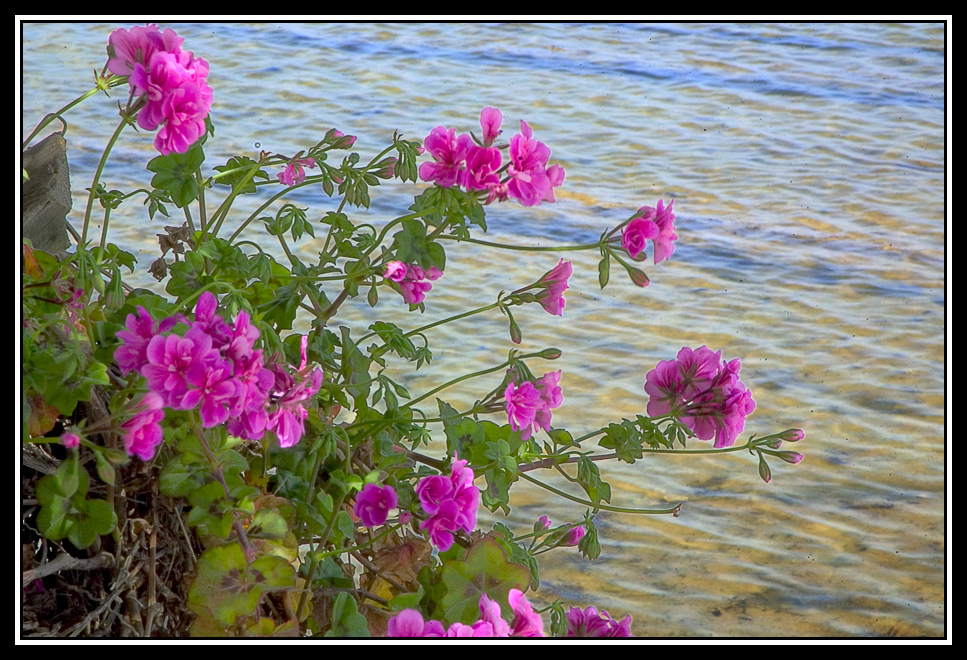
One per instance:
(125, 49)
(142, 433)
(554, 284)
(395, 271)
(527, 622)
(451, 502)
(705, 394)
(409, 623)
(449, 153)
(589, 623)
(293, 172)
(374, 503)
(490, 119)
(413, 285)
(481, 171)
(636, 233)
(70, 440)
(528, 158)
(664, 219)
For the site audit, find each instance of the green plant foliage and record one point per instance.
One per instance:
(226, 588)
(485, 569)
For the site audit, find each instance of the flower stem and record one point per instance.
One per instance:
(673, 511)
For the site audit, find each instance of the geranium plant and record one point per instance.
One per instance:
(291, 459)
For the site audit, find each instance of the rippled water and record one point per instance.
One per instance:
(807, 166)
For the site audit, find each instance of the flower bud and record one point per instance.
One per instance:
(550, 354)
(792, 435)
(790, 456)
(764, 470)
(70, 440)
(638, 277)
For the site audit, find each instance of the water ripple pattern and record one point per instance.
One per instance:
(807, 166)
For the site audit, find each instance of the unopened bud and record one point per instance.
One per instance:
(638, 277)
(790, 456)
(792, 435)
(550, 353)
(70, 440)
(764, 470)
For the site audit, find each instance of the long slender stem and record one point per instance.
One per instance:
(524, 248)
(606, 507)
(55, 115)
(97, 177)
(455, 381)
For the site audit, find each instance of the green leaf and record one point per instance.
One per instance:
(486, 569)
(346, 619)
(226, 588)
(67, 476)
(175, 174)
(268, 524)
(240, 166)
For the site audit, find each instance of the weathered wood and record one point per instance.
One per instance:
(46, 195)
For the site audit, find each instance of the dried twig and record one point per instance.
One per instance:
(66, 562)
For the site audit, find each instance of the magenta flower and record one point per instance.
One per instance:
(413, 287)
(481, 171)
(170, 83)
(293, 172)
(490, 119)
(636, 233)
(478, 629)
(589, 623)
(173, 360)
(142, 433)
(490, 613)
(214, 390)
(527, 622)
(131, 355)
(522, 405)
(451, 502)
(125, 49)
(544, 522)
(554, 284)
(374, 503)
(664, 220)
(70, 440)
(529, 181)
(555, 177)
(288, 418)
(449, 153)
(705, 394)
(395, 271)
(551, 397)
(409, 623)
(574, 536)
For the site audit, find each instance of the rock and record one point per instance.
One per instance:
(46, 195)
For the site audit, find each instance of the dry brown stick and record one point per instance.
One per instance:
(123, 578)
(64, 562)
(375, 569)
(152, 577)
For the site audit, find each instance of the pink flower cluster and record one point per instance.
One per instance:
(293, 172)
(526, 623)
(451, 503)
(170, 82)
(590, 623)
(554, 284)
(529, 404)
(374, 503)
(143, 433)
(654, 224)
(458, 161)
(215, 368)
(411, 279)
(703, 392)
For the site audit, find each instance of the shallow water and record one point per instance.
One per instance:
(807, 166)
